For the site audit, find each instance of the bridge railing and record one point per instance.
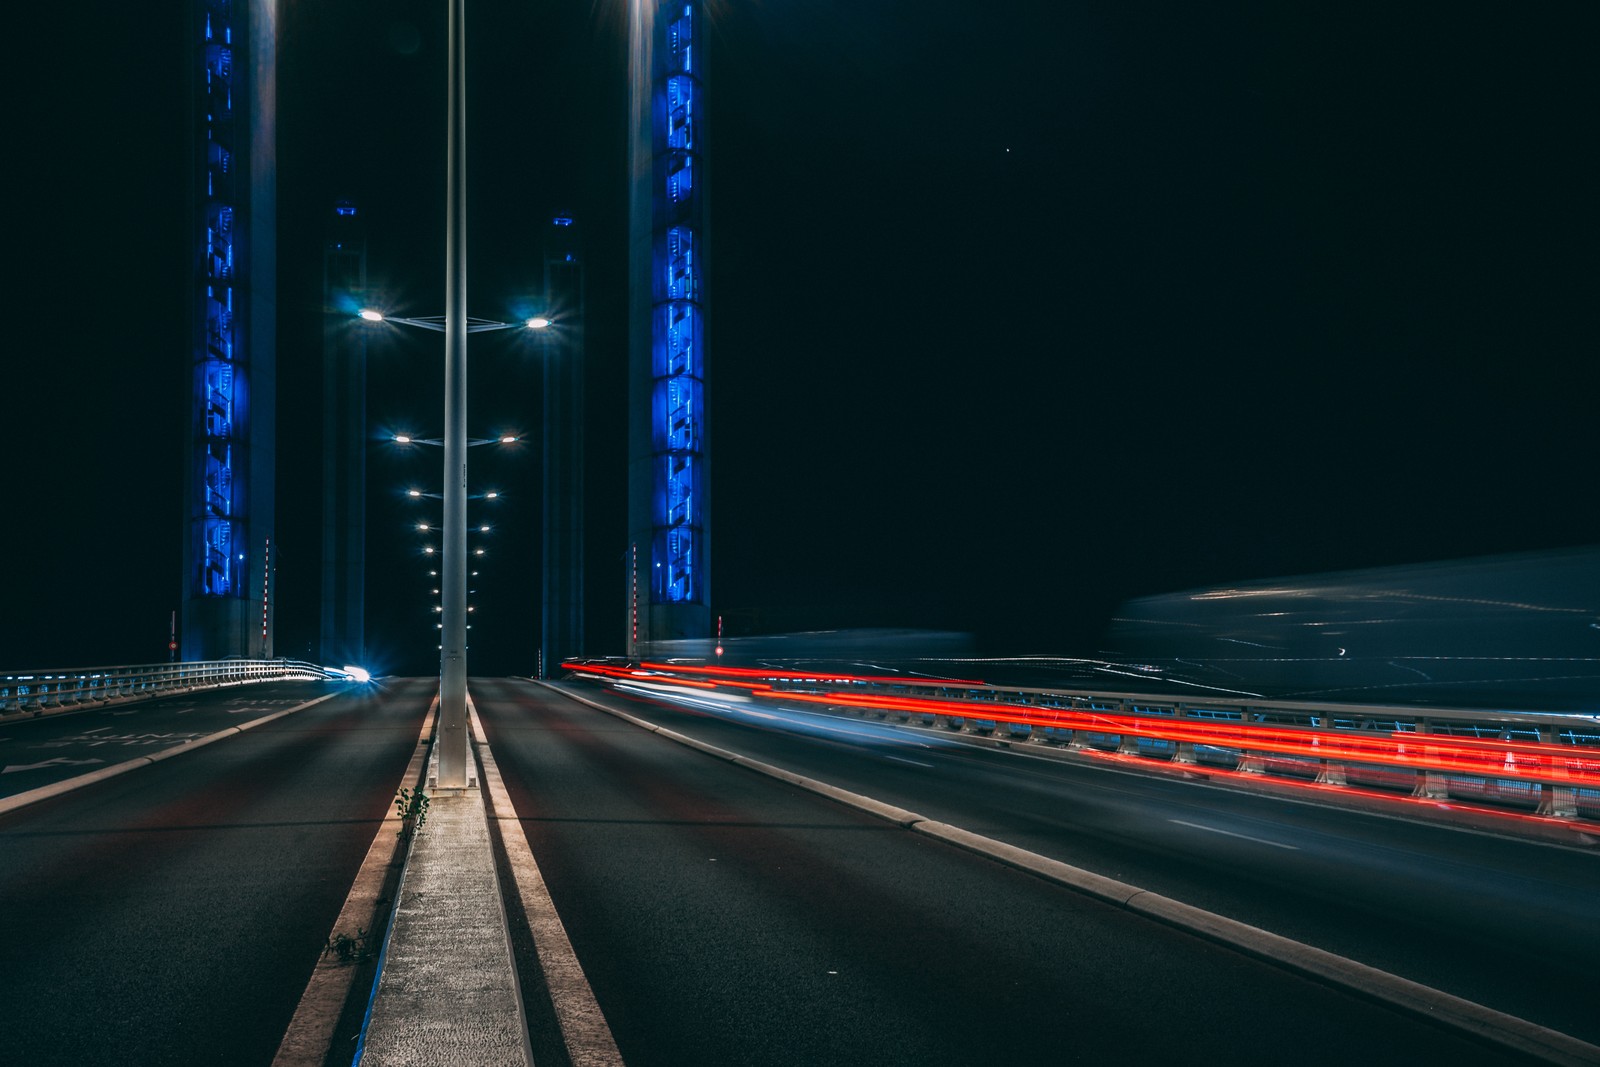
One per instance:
(1544, 762)
(35, 692)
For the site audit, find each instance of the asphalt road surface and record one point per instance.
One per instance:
(1509, 923)
(726, 918)
(173, 914)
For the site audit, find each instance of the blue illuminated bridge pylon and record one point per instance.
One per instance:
(668, 556)
(229, 449)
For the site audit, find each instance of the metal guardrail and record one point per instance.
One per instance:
(1544, 762)
(25, 692)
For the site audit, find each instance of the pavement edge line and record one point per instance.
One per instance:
(310, 1032)
(1402, 994)
(485, 763)
(67, 785)
(584, 1030)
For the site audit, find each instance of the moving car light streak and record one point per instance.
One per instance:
(736, 706)
(1503, 758)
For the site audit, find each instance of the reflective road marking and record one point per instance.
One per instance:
(1230, 833)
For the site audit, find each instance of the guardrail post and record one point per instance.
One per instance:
(1185, 752)
(1248, 763)
(1558, 801)
(1431, 784)
(1332, 772)
(1127, 743)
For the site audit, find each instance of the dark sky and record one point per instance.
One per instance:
(1019, 310)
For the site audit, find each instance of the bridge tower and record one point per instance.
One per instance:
(230, 447)
(344, 440)
(562, 616)
(669, 523)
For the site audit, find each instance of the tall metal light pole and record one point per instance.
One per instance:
(452, 743)
(452, 768)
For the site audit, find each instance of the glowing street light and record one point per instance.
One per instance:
(437, 442)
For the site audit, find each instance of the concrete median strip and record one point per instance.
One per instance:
(55, 789)
(1443, 1009)
(447, 988)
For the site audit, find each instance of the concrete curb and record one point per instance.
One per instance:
(55, 789)
(310, 1034)
(1443, 1009)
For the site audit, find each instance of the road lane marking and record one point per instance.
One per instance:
(584, 1030)
(914, 763)
(67, 785)
(59, 761)
(1230, 833)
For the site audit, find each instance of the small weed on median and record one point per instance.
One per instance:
(347, 949)
(413, 808)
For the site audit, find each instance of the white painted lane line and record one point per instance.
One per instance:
(1230, 833)
(584, 1029)
(914, 763)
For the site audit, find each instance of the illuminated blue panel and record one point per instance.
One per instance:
(680, 112)
(680, 39)
(680, 177)
(676, 405)
(682, 271)
(218, 397)
(677, 328)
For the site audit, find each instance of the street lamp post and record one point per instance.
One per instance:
(452, 745)
(453, 653)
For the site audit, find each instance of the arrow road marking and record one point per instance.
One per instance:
(57, 762)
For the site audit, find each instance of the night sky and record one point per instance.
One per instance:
(1017, 310)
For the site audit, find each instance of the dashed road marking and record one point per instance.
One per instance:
(1230, 833)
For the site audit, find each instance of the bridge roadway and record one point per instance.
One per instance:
(1509, 923)
(173, 914)
(728, 918)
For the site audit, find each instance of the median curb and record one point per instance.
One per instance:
(1432, 1005)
